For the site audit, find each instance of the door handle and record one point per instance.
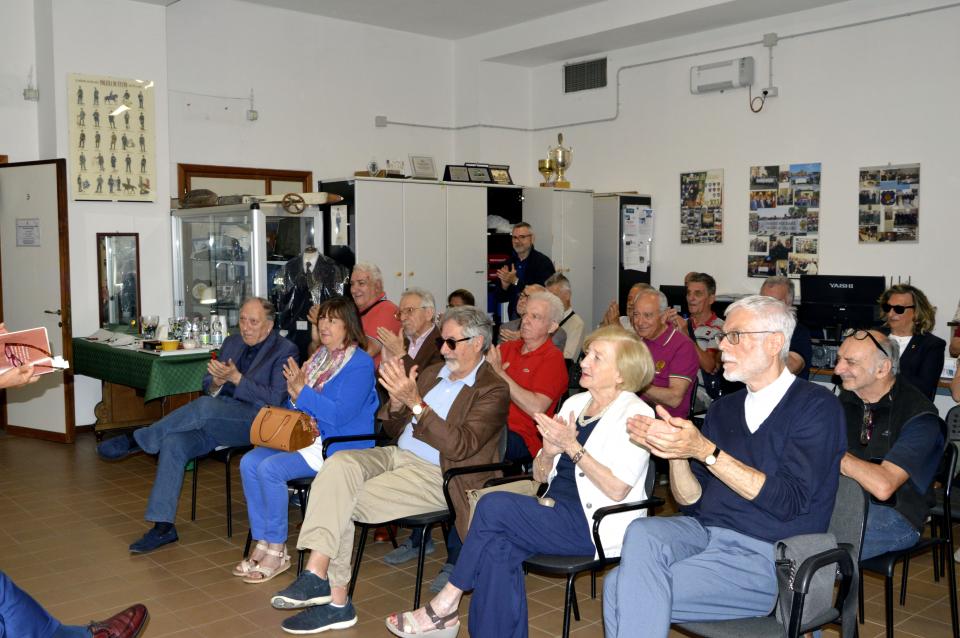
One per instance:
(52, 312)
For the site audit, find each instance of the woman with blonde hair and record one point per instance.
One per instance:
(909, 319)
(588, 462)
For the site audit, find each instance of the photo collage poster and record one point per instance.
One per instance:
(112, 133)
(784, 220)
(889, 203)
(701, 207)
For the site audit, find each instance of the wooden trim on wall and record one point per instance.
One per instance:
(4, 159)
(185, 172)
(43, 435)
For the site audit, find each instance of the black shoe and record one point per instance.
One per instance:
(154, 539)
(307, 590)
(118, 448)
(318, 619)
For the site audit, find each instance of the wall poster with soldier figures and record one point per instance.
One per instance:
(112, 138)
(701, 207)
(784, 218)
(889, 203)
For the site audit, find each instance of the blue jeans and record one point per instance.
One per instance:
(21, 615)
(676, 570)
(195, 429)
(886, 531)
(265, 473)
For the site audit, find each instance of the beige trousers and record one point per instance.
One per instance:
(373, 485)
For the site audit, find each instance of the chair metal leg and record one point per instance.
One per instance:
(860, 596)
(246, 546)
(903, 581)
(300, 554)
(229, 497)
(573, 598)
(421, 555)
(302, 495)
(193, 503)
(567, 603)
(952, 584)
(888, 601)
(364, 528)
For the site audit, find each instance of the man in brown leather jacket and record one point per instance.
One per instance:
(446, 416)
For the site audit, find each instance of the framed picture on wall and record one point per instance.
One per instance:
(456, 173)
(480, 174)
(500, 173)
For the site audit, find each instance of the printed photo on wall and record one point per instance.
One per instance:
(889, 203)
(111, 125)
(784, 220)
(701, 207)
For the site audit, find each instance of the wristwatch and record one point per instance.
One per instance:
(712, 457)
(419, 408)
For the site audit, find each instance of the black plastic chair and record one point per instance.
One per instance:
(225, 455)
(847, 524)
(571, 566)
(940, 540)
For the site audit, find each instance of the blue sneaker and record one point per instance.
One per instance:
(407, 552)
(306, 591)
(154, 539)
(118, 448)
(318, 619)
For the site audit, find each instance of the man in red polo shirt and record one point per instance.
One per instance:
(534, 369)
(674, 355)
(376, 311)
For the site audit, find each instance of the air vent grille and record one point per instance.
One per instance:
(581, 76)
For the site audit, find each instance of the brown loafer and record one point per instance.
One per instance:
(126, 624)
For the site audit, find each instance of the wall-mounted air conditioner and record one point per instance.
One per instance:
(718, 76)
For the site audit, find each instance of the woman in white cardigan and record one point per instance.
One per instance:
(588, 461)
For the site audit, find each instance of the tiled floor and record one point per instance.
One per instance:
(68, 518)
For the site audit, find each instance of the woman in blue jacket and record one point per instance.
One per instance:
(337, 388)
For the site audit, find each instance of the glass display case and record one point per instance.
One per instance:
(224, 254)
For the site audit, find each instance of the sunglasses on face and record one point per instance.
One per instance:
(451, 343)
(860, 335)
(897, 309)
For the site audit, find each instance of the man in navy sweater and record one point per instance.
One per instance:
(765, 467)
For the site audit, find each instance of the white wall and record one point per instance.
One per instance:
(123, 39)
(854, 97)
(318, 85)
(18, 117)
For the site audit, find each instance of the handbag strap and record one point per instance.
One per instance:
(283, 422)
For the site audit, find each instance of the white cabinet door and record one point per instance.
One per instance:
(466, 243)
(424, 234)
(576, 251)
(606, 253)
(380, 231)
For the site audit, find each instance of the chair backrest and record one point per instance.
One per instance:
(953, 423)
(849, 514)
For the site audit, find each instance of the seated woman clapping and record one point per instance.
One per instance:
(337, 388)
(588, 461)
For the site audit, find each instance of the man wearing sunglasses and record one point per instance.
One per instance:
(526, 265)
(894, 441)
(446, 416)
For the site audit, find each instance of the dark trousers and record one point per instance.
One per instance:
(506, 530)
(517, 451)
(454, 544)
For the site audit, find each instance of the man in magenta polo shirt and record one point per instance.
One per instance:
(674, 355)
(366, 288)
(534, 369)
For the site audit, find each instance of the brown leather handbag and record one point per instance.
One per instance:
(281, 429)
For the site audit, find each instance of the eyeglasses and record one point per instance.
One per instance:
(16, 354)
(897, 309)
(451, 343)
(405, 312)
(528, 236)
(866, 427)
(860, 335)
(734, 335)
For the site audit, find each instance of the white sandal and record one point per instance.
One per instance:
(267, 573)
(244, 567)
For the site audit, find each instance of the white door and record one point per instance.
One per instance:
(576, 258)
(36, 291)
(424, 238)
(379, 232)
(466, 243)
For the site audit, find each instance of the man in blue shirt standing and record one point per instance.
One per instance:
(526, 265)
(894, 441)
(765, 467)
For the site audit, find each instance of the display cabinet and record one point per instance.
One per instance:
(224, 254)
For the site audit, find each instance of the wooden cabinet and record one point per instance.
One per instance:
(563, 223)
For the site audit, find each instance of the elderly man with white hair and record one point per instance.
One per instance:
(534, 369)
(765, 467)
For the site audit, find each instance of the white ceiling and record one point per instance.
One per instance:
(456, 19)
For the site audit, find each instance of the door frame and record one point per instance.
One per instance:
(66, 328)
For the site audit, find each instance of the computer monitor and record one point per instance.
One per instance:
(676, 298)
(833, 303)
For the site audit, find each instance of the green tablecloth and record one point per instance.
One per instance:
(158, 376)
